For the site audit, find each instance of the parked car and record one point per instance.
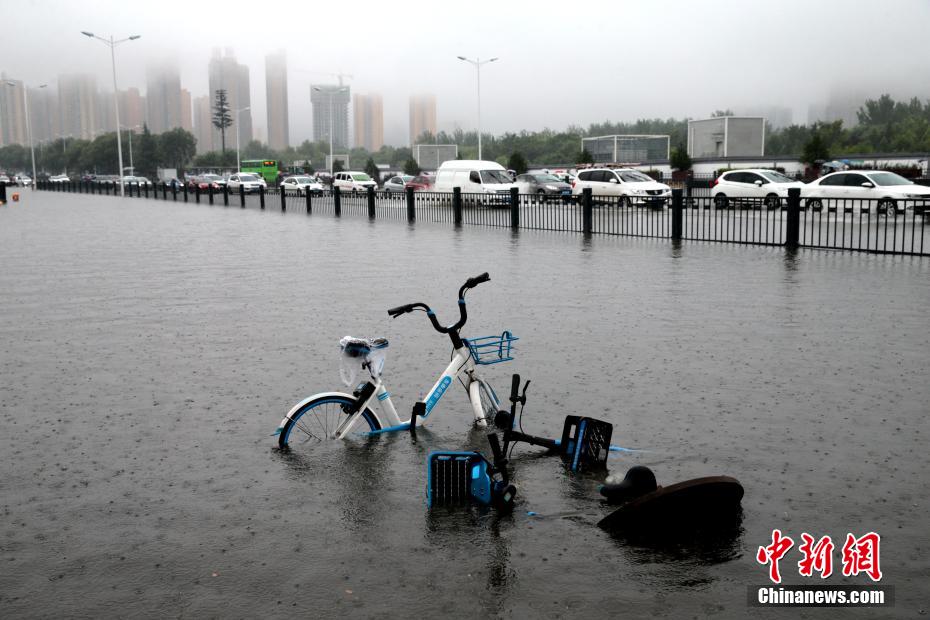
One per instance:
(631, 186)
(423, 182)
(543, 184)
(474, 177)
(204, 182)
(248, 181)
(397, 183)
(22, 180)
(59, 178)
(352, 181)
(5, 180)
(770, 186)
(300, 185)
(887, 188)
(134, 180)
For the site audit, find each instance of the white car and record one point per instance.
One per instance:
(397, 183)
(59, 178)
(23, 180)
(631, 186)
(300, 185)
(248, 181)
(353, 182)
(887, 188)
(128, 179)
(5, 180)
(762, 184)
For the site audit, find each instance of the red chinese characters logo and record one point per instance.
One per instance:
(773, 553)
(860, 555)
(817, 557)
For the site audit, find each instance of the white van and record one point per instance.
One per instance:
(474, 177)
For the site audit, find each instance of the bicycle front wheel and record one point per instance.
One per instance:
(318, 419)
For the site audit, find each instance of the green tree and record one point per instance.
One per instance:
(177, 148)
(411, 167)
(679, 159)
(147, 157)
(371, 169)
(815, 150)
(585, 157)
(338, 166)
(222, 119)
(517, 163)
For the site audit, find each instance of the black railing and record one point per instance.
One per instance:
(880, 226)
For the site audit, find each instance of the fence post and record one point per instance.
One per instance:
(457, 205)
(185, 192)
(337, 201)
(225, 195)
(283, 198)
(146, 190)
(514, 208)
(2, 193)
(164, 191)
(210, 193)
(411, 205)
(371, 202)
(308, 200)
(689, 183)
(242, 197)
(792, 226)
(587, 210)
(677, 212)
(261, 196)
(174, 192)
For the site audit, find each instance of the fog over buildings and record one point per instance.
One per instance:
(559, 64)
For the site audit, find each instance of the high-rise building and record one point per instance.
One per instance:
(187, 120)
(422, 116)
(227, 74)
(163, 96)
(77, 105)
(43, 114)
(331, 109)
(106, 116)
(12, 112)
(131, 108)
(276, 100)
(203, 123)
(368, 114)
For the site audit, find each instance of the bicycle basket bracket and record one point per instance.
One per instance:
(492, 349)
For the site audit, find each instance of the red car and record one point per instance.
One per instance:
(205, 182)
(423, 182)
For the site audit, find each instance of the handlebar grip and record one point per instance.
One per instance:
(515, 388)
(399, 310)
(473, 282)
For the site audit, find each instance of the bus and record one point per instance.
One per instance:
(265, 168)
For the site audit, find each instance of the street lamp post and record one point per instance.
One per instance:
(477, 62)
(331, 122)
(131, 165)
(111, 43)
(238, 160)
(32, 148)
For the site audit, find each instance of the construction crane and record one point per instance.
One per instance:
(339, 76)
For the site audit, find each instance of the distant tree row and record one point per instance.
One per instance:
(885, 126)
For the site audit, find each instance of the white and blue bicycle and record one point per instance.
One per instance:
(369, 410)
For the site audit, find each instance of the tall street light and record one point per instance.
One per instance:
(238, 161)
(477, 62)
(111, 43)
(331, 93)
(131, 129)
(32, 148)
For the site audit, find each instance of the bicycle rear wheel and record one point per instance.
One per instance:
(319, 418)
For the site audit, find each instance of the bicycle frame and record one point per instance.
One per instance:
(462, 364)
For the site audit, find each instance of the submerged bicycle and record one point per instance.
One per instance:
(333, 415)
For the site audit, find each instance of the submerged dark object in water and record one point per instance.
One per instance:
(680, 506)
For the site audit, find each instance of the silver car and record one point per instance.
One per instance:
(300, 185)
(543, 184)
(397, 183)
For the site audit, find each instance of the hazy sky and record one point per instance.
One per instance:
(561, 63)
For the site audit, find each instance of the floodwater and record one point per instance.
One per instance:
(148, 351)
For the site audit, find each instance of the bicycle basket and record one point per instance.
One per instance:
(492, 349)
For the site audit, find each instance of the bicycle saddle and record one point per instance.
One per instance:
(360, 347)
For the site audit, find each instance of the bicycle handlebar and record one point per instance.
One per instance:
(463, 315)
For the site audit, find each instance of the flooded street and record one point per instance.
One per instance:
(149, 349)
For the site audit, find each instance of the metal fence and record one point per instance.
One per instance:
(881, 226)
